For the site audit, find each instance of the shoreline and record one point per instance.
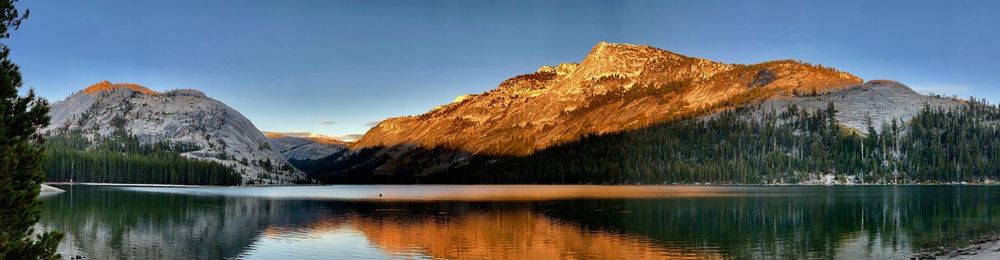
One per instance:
(126, 184)
(985, 247)
(46, 189)
(539, 184)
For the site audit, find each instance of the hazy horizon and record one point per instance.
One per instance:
(334, 67)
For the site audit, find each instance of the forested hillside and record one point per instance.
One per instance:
(740, 146)
(124, 159)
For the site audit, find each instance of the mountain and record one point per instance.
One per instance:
(615, 89)
(208, 130)
(304, 146)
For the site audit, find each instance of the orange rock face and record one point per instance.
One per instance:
(512, 235)
(108, 86)
(617, 87)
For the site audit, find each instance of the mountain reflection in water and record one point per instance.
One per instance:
(515, 222)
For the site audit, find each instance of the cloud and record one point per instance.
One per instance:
(328, 122)
(288, 134)
(349, 137)
(303, 134)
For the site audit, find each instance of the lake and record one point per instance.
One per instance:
(516, 221)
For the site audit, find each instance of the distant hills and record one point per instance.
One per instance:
(304, 146)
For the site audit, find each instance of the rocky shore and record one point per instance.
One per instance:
(987, 247)
(46, 189)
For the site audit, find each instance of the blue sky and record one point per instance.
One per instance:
(333, 67)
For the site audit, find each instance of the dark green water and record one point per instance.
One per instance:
(517, 222)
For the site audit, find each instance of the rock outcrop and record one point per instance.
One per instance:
(875, 102)
(178, 116)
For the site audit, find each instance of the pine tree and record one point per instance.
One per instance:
(20, 156)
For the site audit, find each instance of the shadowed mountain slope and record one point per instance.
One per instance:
(305, 147)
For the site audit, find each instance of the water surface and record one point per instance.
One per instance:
(516, 221)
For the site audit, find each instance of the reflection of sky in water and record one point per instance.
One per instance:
(340, 243)
(864, 246)
(473, 192)
(516, 221)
